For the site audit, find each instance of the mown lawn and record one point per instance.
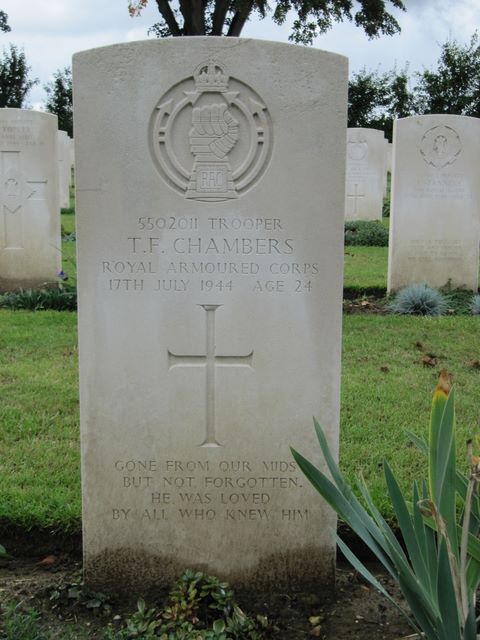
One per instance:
(386, 391)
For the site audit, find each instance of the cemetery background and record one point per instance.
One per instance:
(38, 376)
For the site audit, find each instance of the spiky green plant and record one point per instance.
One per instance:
(418, 300)
(438, 565)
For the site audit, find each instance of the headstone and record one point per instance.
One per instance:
(71, 156)
(435, 202)
(365, 174)
(63, 169)
(210, 194)
(30, 245)
(387, 166)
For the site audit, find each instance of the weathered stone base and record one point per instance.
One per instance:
(124, 571)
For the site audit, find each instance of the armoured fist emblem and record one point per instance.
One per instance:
(214, 131)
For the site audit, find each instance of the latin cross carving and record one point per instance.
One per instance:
(210, 361)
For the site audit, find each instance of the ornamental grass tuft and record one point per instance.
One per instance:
(475, 305)
(418, 300)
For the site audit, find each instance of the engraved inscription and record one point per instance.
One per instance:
(211, 135)
(12, 135)
(210, 361)
(180, 254)
(441, 186)
(230, 490)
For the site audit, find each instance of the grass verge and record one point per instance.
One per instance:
(390, 366)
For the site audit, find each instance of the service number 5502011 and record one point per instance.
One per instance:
(170, 223)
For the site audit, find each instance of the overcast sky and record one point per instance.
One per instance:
(50, 31)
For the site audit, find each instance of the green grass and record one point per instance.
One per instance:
(39, 456)
(365, 267)
(386, 391)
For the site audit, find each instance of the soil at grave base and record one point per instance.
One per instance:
(355, 611)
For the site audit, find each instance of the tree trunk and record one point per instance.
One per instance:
(239, 20)
(219, 15)
(169, 17)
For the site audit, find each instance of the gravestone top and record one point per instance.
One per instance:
(435, 210)
(210, 228)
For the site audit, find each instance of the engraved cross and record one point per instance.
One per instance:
(15, 191)
(355, 191)
(210, 361)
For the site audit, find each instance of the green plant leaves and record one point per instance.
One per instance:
(437, 579)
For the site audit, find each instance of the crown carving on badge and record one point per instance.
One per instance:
(210, 76)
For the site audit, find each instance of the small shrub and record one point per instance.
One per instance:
(60, 298)
(365, 233)
(199, 607)
(418, 300)
(475, 305)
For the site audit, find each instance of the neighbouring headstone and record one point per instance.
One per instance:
(435, 202)
(30, 245)
(387, 168)
(71, 156)
(210, 194)
(365, 174)
(64, 172)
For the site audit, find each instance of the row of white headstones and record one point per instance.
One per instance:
(36, 161)
(433, 211)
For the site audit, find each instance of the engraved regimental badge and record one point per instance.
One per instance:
(211, 135)
(440, 146)
(357, 146)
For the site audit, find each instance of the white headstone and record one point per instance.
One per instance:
(71, 156)
(435, 202)
(210, 194)
(385, 167)
(365, 174)
(30, 245)
(63, 169)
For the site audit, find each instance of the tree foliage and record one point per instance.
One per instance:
(376, 99)
(4, 26)
(228, 17)
(455, 86)
(59, 99)
(14, 78)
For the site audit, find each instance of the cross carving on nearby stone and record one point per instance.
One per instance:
(210, 361)
(355, 191)
(15, 191)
